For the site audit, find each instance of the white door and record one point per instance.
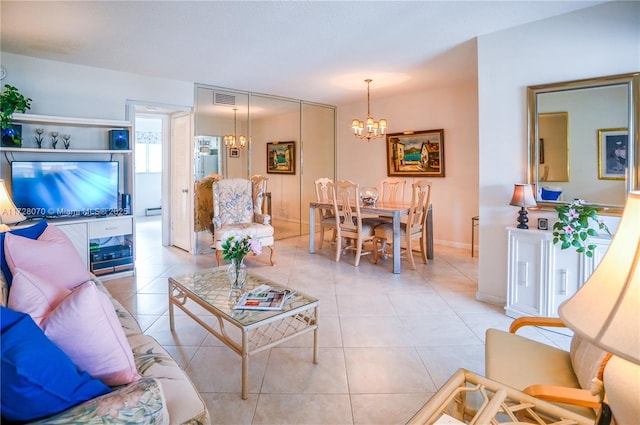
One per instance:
(181, 232)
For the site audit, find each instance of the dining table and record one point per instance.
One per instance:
(395, 210)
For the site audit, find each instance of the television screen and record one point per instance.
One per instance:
(65, 188)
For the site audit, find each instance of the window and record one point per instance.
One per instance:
(148, 144)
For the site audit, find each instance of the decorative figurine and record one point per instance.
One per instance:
(39, 138)
(54, 139)
(66, 140)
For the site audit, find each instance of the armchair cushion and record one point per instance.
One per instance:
(521, 362)
(254, 230)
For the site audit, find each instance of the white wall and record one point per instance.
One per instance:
(454, 109)
(79, 91)
(603, 40)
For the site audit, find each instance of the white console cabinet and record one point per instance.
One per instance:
(541, 276)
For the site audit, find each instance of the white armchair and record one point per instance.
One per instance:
(237, 211)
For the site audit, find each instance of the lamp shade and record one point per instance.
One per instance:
(8, 212)
(523, 196)
(606, 310)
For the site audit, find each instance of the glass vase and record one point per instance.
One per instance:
(237, 274)
(369, 195)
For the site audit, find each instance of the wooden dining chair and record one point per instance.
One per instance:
(349, 221)
(327, 218)
(414, 228)
(392, 189)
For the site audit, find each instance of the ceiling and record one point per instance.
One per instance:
(319, 51)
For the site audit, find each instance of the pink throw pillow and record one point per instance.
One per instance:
(85, 326)
(35, 296)
(52, 257)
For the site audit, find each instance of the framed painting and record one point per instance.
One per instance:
(416, 154)
(234, 153)
(613, 145)
(281, 157)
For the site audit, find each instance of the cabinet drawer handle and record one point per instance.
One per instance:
(563, 281)
(111, 228)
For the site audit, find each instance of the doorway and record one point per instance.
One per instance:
(153, 136)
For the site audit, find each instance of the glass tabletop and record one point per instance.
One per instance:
(212, 287)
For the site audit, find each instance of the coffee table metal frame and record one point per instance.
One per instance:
(260, 330)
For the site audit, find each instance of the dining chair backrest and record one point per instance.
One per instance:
(346, 206)
(420, 198)
(323, 190)
(392, 189)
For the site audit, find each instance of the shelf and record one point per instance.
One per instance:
(67, 121)
(64, 151)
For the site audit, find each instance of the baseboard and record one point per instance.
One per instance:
(491, 299)
(452, 244)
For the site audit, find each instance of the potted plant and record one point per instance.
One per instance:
(11, 100)
(573, 226)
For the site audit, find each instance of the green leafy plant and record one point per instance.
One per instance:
(11, 100)
(235, 249)
(573, 227)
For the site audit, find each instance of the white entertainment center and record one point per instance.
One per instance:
(105, 242)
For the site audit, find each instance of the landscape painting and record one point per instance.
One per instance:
(416, 154)
(281, 157)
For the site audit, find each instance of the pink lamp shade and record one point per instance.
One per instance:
(606, 310)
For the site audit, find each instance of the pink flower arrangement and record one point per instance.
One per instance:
(235, 249)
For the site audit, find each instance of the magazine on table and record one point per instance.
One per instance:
(264, 297)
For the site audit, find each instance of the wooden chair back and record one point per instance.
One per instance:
(392, 189)
(420, 198)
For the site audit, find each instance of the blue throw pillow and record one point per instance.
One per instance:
(32, 232)
(38, 379)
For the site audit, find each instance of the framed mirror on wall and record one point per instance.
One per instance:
(583, 141)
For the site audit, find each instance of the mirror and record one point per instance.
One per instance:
(265, 120)
(583, 141)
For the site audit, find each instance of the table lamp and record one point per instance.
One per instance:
(606, 310)
(9, 214)
(523, 198)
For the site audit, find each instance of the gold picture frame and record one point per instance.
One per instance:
(416, 153)
(613, 148)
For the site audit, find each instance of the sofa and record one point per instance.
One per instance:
(157, 391)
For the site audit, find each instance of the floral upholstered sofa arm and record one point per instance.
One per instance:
(141, 402)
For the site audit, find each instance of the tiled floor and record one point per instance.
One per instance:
(387, 342)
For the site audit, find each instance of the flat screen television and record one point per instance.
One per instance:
(65, 188)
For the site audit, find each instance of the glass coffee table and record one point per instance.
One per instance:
(260, 330)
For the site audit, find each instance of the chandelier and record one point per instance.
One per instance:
(233, 141)
(374, 129)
